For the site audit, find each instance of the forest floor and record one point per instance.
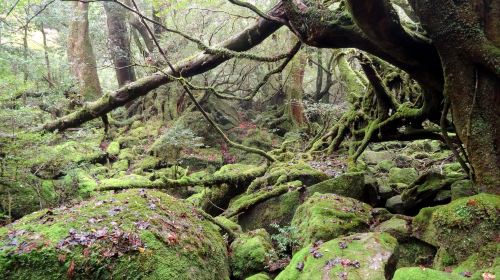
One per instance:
(147, 203)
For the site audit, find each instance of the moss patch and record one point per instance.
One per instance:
(130, 235)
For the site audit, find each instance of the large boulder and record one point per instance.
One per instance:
(349, 184)
(402, 175)
(250, 253)
(327, 216)
(356, 257)
(485, 260)
(461, 227)
(373, 158)
(144, 234)
(397, 227)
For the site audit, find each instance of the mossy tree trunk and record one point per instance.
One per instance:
(81, 55)
(467, 37)
(294, 89)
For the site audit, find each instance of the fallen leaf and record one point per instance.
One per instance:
(71, 270)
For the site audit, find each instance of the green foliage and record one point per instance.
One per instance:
(285, 240)
(169, 145)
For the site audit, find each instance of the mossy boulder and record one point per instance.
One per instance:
(356, 257)
(402, 175)
(250, 253)
(397, 227)
(461, 226)
(113, 148)
(373, 158)
(385, 165)
(327, 216)
(486, 260)
(134, 234)
(414, 252)
(422, 273)
(462, 188)
(348, 184)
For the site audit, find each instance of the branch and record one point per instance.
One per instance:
(245, 40)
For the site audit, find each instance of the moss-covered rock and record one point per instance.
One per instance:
(130, 235)
(414, 252)
(277, 210)
(486, 260)
(250, 253)
(355, 257)
(460, 227)
(113, 148)
(462, 188)
(348, 184)
(422, 273)
(327, 216)
(228, 223)
(397, 227)
(385, 165)
(402, 175)
(121, 165)
(373, 158)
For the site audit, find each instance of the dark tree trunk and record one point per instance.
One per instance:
(467, 37)
(119, 43)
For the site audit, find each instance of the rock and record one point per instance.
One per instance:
(113, 148)
(359, 257)
(144, 234)
(442, 197)
(373, 158)
(348, 184)
(486, 260)
(229, 223)
(430, 146)
(424, 190)
(259, 276)
(396, 227)
(461, 227)
(121, 165)
(277, 210)
(381, 214)
(422, 273)
(385, 165)
(395, 204)
(250, 253)
(385, 191)
(402, 175)
(462, 188)
(403, 161)
(327, 216)
(414, 252)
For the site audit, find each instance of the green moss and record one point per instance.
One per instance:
(402, 175)
(373, 251)
(396, 227)
(250, 253)
(461, 226)
(327, 216)
(418, 273)
(348, 184)
(259, 276)
(414, 252)
(148, 163)
(228, 223)
(121, 165)
(385, 165)
(159, 237)
(485, 260)
(113, 148)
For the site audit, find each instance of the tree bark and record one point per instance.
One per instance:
(467, 36)
(119, 43)
(81, 55)
(46, 54)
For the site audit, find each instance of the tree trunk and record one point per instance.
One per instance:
(46, 53)
(25, 53)
(81, 55)
(295, 90)
(119, 43)
(471, 63)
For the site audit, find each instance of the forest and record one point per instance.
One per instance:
(250, 139)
